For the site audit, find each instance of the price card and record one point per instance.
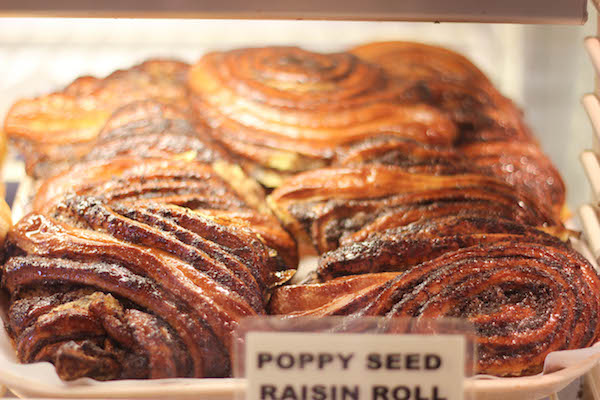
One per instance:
(337, 363)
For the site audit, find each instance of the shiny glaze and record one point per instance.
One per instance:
(287, 108)
(58, 127)
(492, 132)
(329, 204)
(199, 277)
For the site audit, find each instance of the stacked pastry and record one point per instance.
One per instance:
(411, 228)
(415, 180)
(405, 244)
(410, 219)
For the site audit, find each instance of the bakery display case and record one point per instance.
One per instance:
(349, 147)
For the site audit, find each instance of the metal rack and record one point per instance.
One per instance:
(590, 159)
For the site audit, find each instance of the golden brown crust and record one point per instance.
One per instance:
(287, 108)
(522, 165)
(57, 127)
(173, 181)
(327, 205)
(152, 129)
(492, 132)
(412, 155)
(191, 184)
(442, 78)
(400, 248)
(268, 228)
(419, 61)
(187, 276)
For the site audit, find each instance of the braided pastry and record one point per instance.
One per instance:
(220, 190)
(132, 291)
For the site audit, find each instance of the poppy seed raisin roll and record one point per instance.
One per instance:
(60, 127)
(145, 290)
(526, 292)
(286, 109)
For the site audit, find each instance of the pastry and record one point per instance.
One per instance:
(526, 292)
(132, 291)
(286, 109)
(59, 127)
(417, 182)
(449, 81)
(151, 129)
(409, 154)
(326, 206)
(220, 190)
(492, 131)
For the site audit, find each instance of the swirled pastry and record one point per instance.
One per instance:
(59, 127)
(411, 155)
(400, 248)
(151, 129)
(132, 291)
(447, 80)
(526, 292)
(419, 61)
(491, 128)
(286, 109)
(325, 206)
(522, 165)
(220, 190)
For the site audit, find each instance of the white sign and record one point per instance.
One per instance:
(324, 366)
